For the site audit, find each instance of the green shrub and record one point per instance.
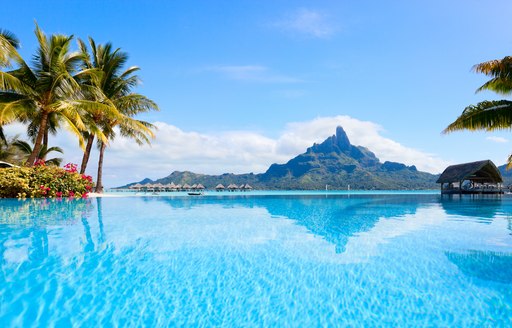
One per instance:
(43, 181)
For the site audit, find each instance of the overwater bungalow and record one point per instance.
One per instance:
(232, 187)
(136, 186)
(169, 187)
(158, 186)
(220, 187)
(482, 177)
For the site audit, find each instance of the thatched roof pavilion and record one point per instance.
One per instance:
(484, 177)
(200, 187)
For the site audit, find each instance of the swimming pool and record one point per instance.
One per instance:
(262, 260)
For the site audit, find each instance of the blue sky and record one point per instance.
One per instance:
(243, 84)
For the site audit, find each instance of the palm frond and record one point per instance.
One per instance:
(486, 115)
(23, 146)
(8, 45)
(10, 82)
(20, 110)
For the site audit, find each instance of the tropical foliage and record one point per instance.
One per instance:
(493, 114)
(25, 148)
(88, 92)
(44, 181)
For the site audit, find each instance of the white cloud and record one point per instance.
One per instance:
(234, 151)
(307, 22)
(253, 73)
(497, 139)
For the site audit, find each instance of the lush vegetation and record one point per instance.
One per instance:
(87, 92)
(44, 181)
(489, 115)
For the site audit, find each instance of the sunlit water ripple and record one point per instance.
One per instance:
(316, 260)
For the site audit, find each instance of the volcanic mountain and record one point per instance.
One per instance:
(334, 163)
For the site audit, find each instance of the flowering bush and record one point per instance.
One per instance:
(44, 181)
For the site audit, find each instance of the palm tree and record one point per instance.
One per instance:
(47, 88)
(8, 44)
(26, 149)
(489, 115)
(115, 86)
(98, 88)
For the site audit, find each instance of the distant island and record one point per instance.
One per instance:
(334, 163)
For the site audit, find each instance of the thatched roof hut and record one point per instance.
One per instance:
(169, 186)
(158, 186)
(232, 186)
(186, 186)
(247, 187)
(136, 186)
(220, 187)
(481, 174)
(200, 187)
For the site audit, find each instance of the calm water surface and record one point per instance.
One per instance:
(300, 260)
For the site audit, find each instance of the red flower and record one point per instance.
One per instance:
(39, 162)
(71, 194)
(58, 194)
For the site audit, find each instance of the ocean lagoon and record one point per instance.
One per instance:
(358, 259)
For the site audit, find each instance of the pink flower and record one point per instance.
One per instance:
(71, 194)
(58, 194)
(70, 167)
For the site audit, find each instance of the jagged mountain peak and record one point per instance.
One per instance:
(342, 139)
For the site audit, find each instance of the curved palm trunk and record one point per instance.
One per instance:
(87, 153)
(39, 140)
(99, 179)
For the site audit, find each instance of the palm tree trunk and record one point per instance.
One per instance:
(99, 182)
(87, 153)
(45, 142)
(39, 140)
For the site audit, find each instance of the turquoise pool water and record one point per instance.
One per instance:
(276, 260)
